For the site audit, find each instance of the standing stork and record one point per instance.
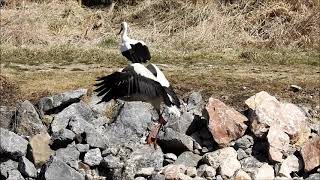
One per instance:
(135, 51)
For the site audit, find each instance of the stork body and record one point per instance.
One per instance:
(135, 51)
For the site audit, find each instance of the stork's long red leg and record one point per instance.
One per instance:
(153, 135)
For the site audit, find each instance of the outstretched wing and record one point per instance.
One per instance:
(124, 84)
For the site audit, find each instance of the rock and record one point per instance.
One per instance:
(175, 142)
(143, 156)
(229, 167)
(264, 172)
(50, 104)
(62, 138)
(311, 154)
(182, 176)
(145, 172)
(96, 139)
(225, 123)
(40, 148)
(195, 103)
(183, 124)
(7, 166)
(278, 143)
(83, 147)
(27, 168)
(69, 155)
(140, 178)
(157, 176)
(191, 171)
(112, 162)
(111, 150)
(250, 164)
(57, 170)
(241, 175)
(15, 175)
(76, 110)
(93, 157)
(206, 171)
(267, 111)
(289, 165)
(102, 108)
(315, 176)
(295, 88)
(188, 159)
(27, 120)
(6, 116)
(170, 156)
(12, 144)
(242, 154)
(244, 142)
(172, 171)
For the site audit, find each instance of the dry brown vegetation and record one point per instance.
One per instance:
(229, 49)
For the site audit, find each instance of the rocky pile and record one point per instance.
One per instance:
(63, 137)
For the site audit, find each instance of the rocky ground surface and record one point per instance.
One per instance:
(65, 137)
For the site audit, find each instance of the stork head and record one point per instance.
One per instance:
(124, 27)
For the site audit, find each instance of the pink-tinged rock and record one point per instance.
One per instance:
(241, 175)
(225, 123)
(278, 143)
(289, 165)
(267, 111)
(311, 154)
(173, 171)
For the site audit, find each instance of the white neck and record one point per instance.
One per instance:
(125, 34)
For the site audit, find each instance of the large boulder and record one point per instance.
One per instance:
(267, 111)
(311, 154)
(27, 120)
(40, 149)
(76, 110)
(12, 144)
(56, 170)
(48, 105)
(278, 143)
(225, 123)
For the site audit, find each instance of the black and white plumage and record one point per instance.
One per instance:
(137, 82)
(134, 50)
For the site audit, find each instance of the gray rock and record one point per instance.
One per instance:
(57, 170)
(15, 175)
(111, 150)
(93, 157)
(244, 142)
(69, 155)
(315, 176)
(100, 121)
(97, 139)
(170, 156)
(219, 177)
(142, 157)
(60, 100)
(112, 162)
(101, 108)
(188, 159)
(206, 171)
(7, 166)
(12, 144)
(157, 176)
(83, 147)
(242, 154)
(195, 103)
(62, 138)
(27, 168)
(6, 117)
(175, 142)
(140, 178)
(182, 124)
(27, 120)
(250, 164)
(145, 172)
(191, 171)
(76, 110)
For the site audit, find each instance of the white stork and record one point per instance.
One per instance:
(134, 50)
(139, 83)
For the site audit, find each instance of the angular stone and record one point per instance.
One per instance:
(229, 167)
(183, 124)
(62, 138)
(96, 139)
(27, 120)
(60, 100)
(264, 172)
(170, 156)
(145, 172)
(172, 171)
(175, 142)
(278, 143)
(76, 110)
(241, 175)
(27, 168)
(225, 123)
(191, 171)
(40, 148)
(188, 159)
(112, 162)
(103, 108)
(267, 111)
(289, 165)
(7, 166)
(250, 164)
(6, 117)
(83, 147)
(182, 176)
(195, 103)
(93, 157)
(57, 170)
(69, 155)
(12, 144)
(244, 142)
(311, 154)
(15, 175)
(206, 171)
